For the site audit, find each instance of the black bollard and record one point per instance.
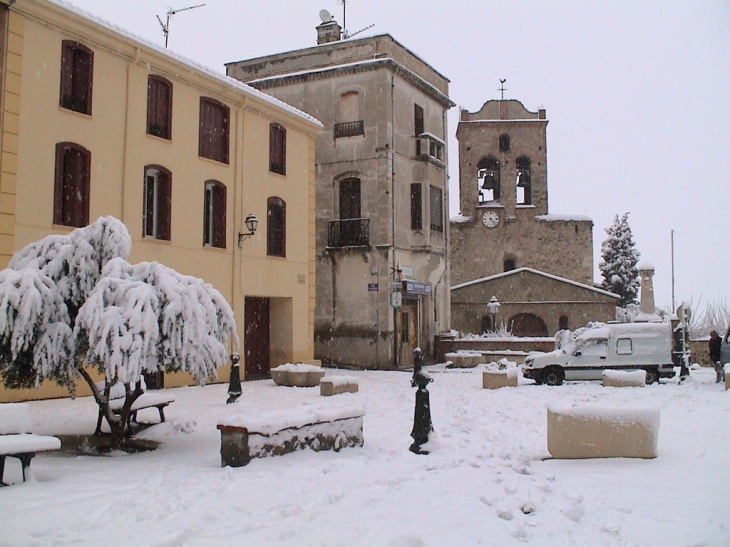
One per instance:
(234, 384)
(422, 425)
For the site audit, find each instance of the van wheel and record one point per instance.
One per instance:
(554, 376)
(652, 375)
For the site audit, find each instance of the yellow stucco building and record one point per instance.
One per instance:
(95, 123)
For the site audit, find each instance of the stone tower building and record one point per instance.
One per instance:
(381, 196)
(505, 224)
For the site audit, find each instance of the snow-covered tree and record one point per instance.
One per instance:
(620, 257)
(71, 303)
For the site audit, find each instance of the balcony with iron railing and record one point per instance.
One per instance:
(353, 232)
(349, 129)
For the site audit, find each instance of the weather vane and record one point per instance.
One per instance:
(170, 12)
(502, 89)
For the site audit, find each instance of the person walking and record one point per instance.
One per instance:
(715, 345)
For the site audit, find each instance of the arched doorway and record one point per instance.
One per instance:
(527, 324)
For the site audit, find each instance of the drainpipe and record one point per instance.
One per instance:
(237, 217)
(396, 347)
(130, 64)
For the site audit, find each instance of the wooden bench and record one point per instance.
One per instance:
(17, 440)
(602, 432)
(274, 433)
(146, 400)
(334, 385)
(297, 375)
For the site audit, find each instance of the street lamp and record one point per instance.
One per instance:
(251, 223)
(493, 307)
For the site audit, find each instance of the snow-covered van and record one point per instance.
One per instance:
(622, 346)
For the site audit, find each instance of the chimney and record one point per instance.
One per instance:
(329, 31)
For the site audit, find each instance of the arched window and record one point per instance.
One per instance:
(77, 76)
(214, 215)
(524, 181)
(527, 324)
(509, 264)
(563, 322)
(72, 185)
(157, 202)
(488, 179)
(504, 142)
(159, 107)
(276, 227)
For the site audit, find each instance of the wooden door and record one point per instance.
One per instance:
(408, 332)
(256, 338)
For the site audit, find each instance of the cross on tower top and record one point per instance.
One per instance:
(502, 89)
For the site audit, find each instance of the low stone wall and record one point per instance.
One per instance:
(500, 347)
(281, 432)
(596, 432)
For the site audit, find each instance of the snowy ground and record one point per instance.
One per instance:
(489, 482)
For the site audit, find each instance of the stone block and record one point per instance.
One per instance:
(621, 378)
(494, 379)
(298, 375)
(334, 385)
(598, 432)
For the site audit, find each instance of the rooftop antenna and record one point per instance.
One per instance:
(502, 89)
(344, 15)
(170, 12)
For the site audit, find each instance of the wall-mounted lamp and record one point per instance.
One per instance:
(251, 223)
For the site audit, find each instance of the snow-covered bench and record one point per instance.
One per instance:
(624, 378)
(146, 400)
(278, 432)
(602, 432)
(334, 385)
(297, 375)
(17, 440)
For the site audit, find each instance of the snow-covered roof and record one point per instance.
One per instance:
(551, 217)
(538, 272)
(232, 82)
(382, 60)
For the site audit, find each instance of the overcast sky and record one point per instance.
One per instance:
(637, 95)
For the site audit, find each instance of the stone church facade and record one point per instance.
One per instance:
(381, 192)
(505, 223)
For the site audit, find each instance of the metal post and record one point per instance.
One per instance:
(422, 425)
(234, 384)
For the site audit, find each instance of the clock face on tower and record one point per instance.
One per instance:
(490, 219)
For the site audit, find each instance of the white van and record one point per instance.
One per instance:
(621, 346)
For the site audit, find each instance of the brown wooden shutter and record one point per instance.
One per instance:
(159, 107)
(277, 149)
(214, 130)
(72, 185)
(66, 71)
(276, 227)
(416, 207)
(164, 205)
(219, 215)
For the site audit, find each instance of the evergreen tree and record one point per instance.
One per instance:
(620, 257)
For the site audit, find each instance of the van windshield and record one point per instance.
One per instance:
(592, 346)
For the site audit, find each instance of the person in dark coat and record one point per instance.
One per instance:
(715, 345)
